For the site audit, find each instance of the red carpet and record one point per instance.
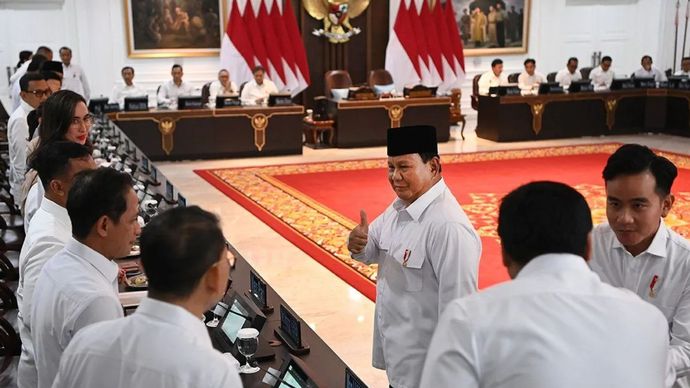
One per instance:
(315, 205)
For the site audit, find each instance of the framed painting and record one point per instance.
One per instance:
(493, 27)
(174, 28)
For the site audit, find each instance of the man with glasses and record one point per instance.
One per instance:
(34, 90)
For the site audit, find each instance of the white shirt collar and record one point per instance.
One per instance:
(57, 211)
(417, 207)
(656, 248)
(107, 268)
(554, 263)
(25, 105)
(176, 316)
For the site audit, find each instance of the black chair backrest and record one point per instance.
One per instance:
(551, 77)
(205, 92)
(585, 72)
(513, 78)
(669, 72)
(242, 87)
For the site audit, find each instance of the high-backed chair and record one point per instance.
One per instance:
(513, 78)
(551, 77)
(668, 72)
(205, 92)
(584, 71)
(336, 79)
(242, 87)
(474, 98)
(319, 124)
(380, 77)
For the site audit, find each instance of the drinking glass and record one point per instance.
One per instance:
(247, 344)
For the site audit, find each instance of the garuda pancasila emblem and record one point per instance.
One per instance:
(336, 15)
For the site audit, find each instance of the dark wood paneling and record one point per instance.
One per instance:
(361, 54)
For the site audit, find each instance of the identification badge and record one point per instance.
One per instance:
(406, 257)
(652, 286)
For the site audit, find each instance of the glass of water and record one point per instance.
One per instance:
(247, 344)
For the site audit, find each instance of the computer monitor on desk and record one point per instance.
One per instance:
(511, 90)
(581, 86)
(550, 88)
(622, 84)
(678, 82)
(279, 99)
(644, 82)
(189, 102)
(227, 101)
(241, 313)
(136, 104)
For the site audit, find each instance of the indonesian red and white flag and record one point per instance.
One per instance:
(260, 33)
(421, 47)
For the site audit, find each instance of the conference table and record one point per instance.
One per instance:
(243, 131)
(555, 116)
(364, 123)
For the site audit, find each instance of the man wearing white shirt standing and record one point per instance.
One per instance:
(223, 86)
(163, 343)
(78, 286)
(127, 89)
(556, 324)
(256, 91)
(529, 80)
(50, 230)
(566, 76)
(649, 71)
(427, 254)
(73, 76)
(684, 67)
(602, 75)
(492, 78)
(34, 90)
(171, 90)
(637, 251)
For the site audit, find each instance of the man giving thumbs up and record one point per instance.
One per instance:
(427, 252)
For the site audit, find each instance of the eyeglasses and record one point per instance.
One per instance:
(40, 93)
(79, 122)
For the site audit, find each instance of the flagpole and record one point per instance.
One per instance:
(685, 35)
(675, 43)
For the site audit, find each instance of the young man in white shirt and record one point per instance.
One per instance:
(684, 67)
(34, 90)
(637, 251)
(556, 324)
(163, 343)
(222, 86)
(171, 90)
(43, 53)
(649, 71)
(492, 78)
(50, 229)
(256, 91)
(79, 285)
(427, 253)
(73, 76)
(529, 80)
(126, 89)
(602, 75)
(566, 76)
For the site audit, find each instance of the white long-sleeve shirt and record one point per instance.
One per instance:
(17, 137)
(601, 79)
(160, 345)
(14, 85)
(653, 73)
(216, 89)
(74, 79)
(529, 84)
(50, 229)
(428, 255)
(660, 275)
(252, 92)
(77, 287)
(556, 325)
(564, 77)
(121, 90)
(169, 92)
(488, 80)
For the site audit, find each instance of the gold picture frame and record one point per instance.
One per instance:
(194, 28)
(515, 37)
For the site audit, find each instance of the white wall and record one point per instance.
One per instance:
(624, 29)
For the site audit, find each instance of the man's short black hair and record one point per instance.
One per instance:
(529, 60)
(606, 58)
(255, 69)
(543, 217)
(646, 57)
(51, 75)
(36, 63)
(65, 48)
(571, 59)
(496, 62)
(52, 160)
(632, 159)
(178, 247)
(125, 68)
(33, 120)
(175, 66)
(685, 59)
(427, 156)
(97, 193)
(28, 77)
(43, 49)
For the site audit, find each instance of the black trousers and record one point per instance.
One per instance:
(501, 34)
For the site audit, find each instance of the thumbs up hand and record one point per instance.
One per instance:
(357, 240)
